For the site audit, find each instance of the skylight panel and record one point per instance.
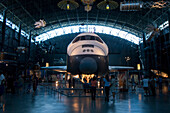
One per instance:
(13, 26)
(164, 25)
(89, 28)
(75, 29)
(99, 29)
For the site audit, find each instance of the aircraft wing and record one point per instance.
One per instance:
(56, 68)
(113, 68)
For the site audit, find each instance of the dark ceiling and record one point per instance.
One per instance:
(27, 12)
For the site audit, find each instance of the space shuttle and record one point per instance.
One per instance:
(87, 54)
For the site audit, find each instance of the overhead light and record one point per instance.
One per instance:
(68, 4)
(107, 6)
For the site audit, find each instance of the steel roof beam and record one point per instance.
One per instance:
(14, 15)
(117, 18)
(143, 18)
(128, 20)
(159, 17)
(68, 18)
(38, 8)
(97, 16)
(77, 16)
(26, 10)
(107, 17)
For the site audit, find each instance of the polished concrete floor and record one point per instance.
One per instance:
(45, 101)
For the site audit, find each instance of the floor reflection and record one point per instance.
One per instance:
(47, 102)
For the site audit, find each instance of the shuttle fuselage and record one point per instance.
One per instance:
(87, 54)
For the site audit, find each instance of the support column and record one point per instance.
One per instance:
(19, 35)
(155, 54)
(3, 29)
(169, 22)
(144, 54)
(144, 40)
(18, 54)
(166, 45)
(29, 45)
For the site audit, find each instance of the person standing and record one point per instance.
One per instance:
(29, 85)
(93, 88)
(20, 84)
(106, 87)
(133, 84)
(2, 87)
(69, 82)
(152, 86)
(73, 82)
(145, 85)
(101, 82)
(35, 83)
(160, 84)
(113, 87)
(85, 84)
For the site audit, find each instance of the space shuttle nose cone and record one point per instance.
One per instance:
(88, 65)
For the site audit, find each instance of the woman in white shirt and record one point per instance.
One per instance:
(145, 85)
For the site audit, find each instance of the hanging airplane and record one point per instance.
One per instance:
(87, 54)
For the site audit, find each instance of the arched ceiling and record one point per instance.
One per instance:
(27, 12)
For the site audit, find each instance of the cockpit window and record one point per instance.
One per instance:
(83, 38)
(88, 37)
(92, 38)
(77, 39)
(98, 39)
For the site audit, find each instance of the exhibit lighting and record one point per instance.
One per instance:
(98, 83)
(47, 64)
(56, 83)
(138, 66)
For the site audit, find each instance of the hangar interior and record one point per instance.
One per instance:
(34, 39)
(134, 35)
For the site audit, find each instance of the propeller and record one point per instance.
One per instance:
(153, 29)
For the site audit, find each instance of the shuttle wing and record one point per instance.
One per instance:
(56, 68)
(64, 68)
(113, 68)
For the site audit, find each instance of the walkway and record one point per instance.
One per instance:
(48, 102)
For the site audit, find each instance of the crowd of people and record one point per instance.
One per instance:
(21, 85)
(108, 84)
(16, 85)
(151, 84)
